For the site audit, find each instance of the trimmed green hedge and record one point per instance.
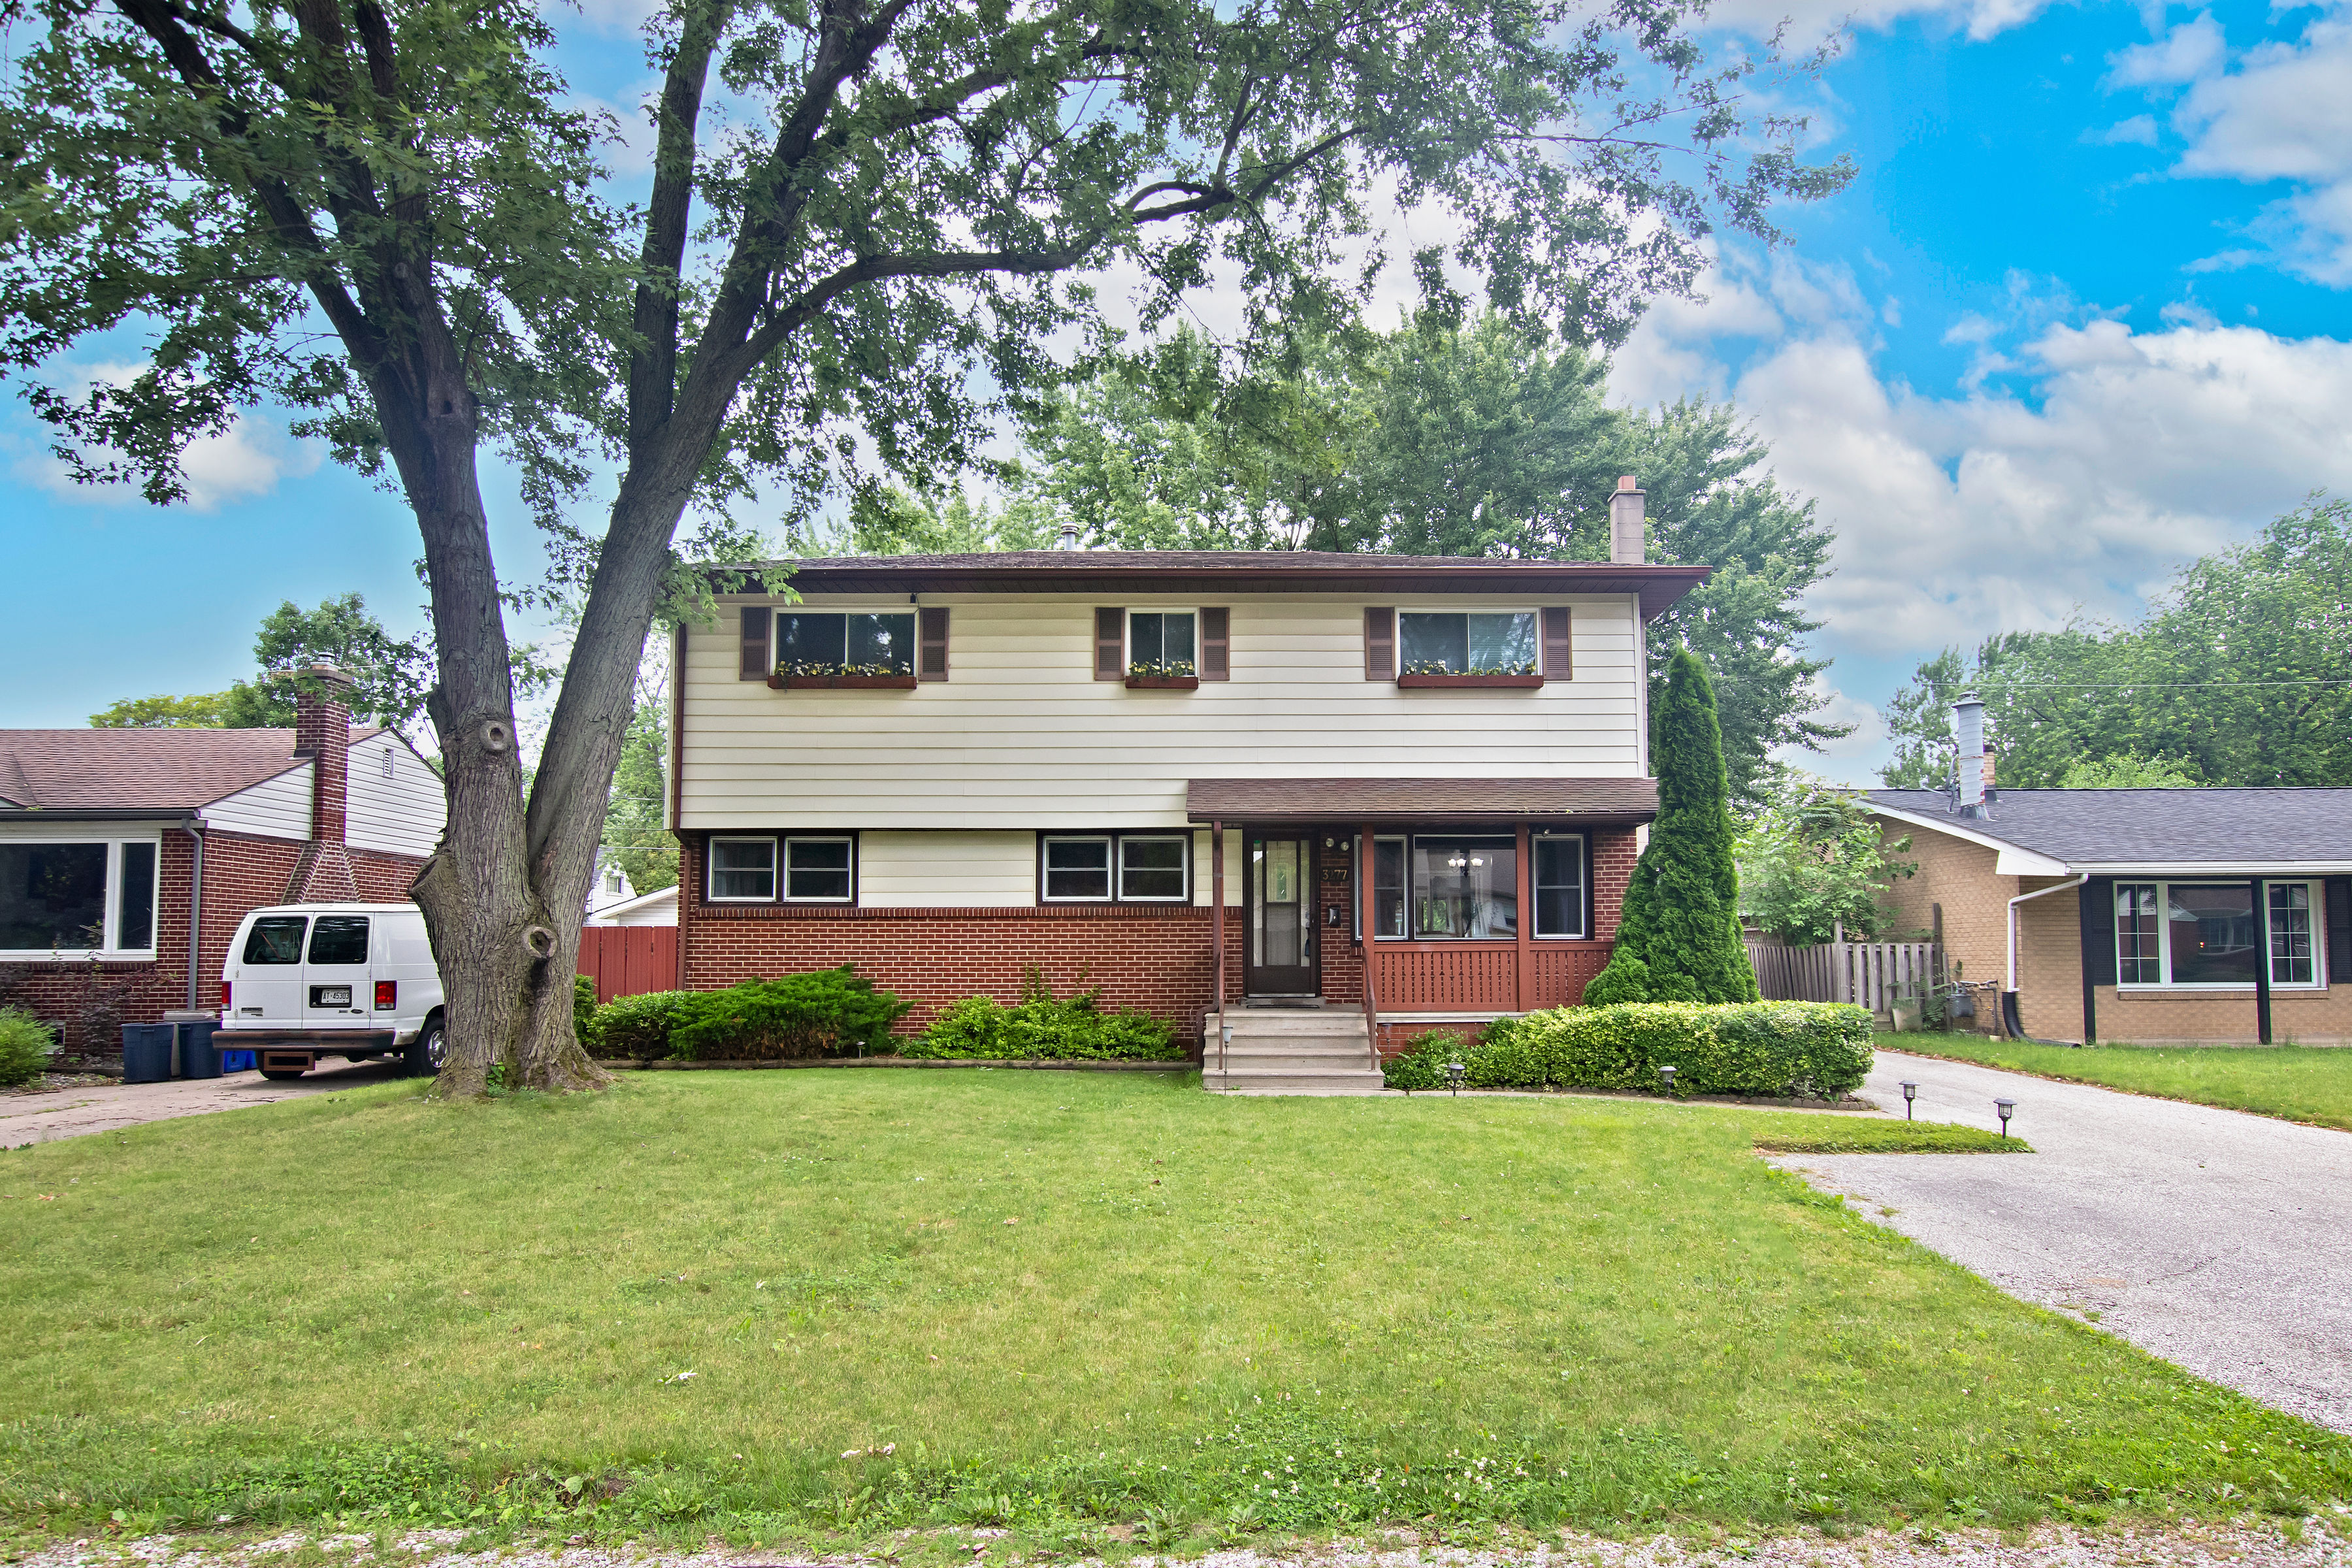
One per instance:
(639, 1025)
(1041, 1029)
(583, 1010)
(1772, 1049)
(832, 1012)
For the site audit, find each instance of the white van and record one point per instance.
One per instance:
(304, 980)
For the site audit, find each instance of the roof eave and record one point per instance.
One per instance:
(99, 813)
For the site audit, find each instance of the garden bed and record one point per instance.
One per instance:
(632, 1063)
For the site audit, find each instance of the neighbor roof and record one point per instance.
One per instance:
(1229, 571)
(1596, 802)
(2158, 828)
(155, 772)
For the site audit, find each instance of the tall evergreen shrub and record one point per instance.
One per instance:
(1679, 937)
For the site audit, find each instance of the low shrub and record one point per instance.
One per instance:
(1043, 1029)
(1762, 1048)
(25, 1045)
(583, 1010)
(832, 1012)
(639, 1026)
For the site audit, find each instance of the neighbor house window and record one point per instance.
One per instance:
(1446, 642)
(818, 871)
(1114, 867)
(855, 643)
(1560, 884)
(2203, 934)
(78, 897)
(1161, 642)
(1465, 887)
(743, 870)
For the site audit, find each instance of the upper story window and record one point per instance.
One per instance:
(86, 897)
(1156, 645)
(1161, 642)
(1467, 642)
(2199, 934)
(863, 642)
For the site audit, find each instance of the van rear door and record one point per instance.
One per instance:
(266, 986)
(335, 973)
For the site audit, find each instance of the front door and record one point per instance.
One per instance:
(1281, 917)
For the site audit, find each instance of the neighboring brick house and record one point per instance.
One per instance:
(115, 844)
(947, 770)
(2141, 915)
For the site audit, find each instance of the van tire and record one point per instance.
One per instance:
(428, 1050)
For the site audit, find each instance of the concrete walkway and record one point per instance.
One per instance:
(2219, 1241)
(70, 1112)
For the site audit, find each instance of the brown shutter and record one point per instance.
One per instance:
(1379, 645)
(755, 645)
(1216, 657)
(1557, 664)
(931, 641)
(1110, 645)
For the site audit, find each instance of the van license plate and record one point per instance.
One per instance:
(331, 995)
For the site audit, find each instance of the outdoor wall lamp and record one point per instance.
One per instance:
(1455, 1073)
(1667, 1074)
(2004, 1109)
(1910, 1093)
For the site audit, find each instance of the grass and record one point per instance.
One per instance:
(2297, 1083)
(775, 1305)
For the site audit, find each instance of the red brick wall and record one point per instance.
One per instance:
(241, 874)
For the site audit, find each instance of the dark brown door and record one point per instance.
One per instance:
(1281, 959)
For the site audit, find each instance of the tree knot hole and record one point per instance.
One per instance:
(539, 941)
(498, 735)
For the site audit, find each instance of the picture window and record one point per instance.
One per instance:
(2191, 935)
(1447, 642)
(78, 897)
(845, 643)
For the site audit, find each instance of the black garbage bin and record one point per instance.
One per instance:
(146, 1052)
(198, 1057)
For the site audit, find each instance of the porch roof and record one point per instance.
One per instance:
(1598, 803)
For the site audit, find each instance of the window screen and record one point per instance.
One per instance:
(742, 867)
(1077, 868)
(817, 869)
(134, 909)
(814, 643)
(1559, 886)
(52, 896)
(1153, 868)
(339, 939)
(276, 939)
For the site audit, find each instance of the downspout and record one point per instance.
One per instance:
(2010, 1022)
(193, 828)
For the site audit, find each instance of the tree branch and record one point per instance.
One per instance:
(653, 357)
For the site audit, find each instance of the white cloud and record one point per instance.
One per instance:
(2139, 131)
(2187, 52)
(248, 460)
(1810, 19)
(2125, 454)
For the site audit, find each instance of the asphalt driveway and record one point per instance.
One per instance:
(2219, 1241)
(71, 1112)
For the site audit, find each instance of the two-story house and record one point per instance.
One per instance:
(1381, 791)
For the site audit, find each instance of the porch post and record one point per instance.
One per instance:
(1366, 909)
(2262, 960)
(1217, 914)
(1526, 877)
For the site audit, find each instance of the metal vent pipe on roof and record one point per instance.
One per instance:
(1069, 540)
(1967, 724)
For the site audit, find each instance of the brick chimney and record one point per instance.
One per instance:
(322, 732)
(1628, 541)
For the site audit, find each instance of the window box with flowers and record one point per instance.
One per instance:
(812, 677)
(1510, 676)
(1450, 648)
(1166, 675)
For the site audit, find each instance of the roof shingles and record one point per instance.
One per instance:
(139, 769)
(2156, 828)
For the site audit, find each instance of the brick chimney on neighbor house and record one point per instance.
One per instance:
(1628, 542)
(322, 734)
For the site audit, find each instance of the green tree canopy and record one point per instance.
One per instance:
(1814, 860)
(1678, 938)
(388, 216)
(2241, 673)
(1482, 436)
(388, 675)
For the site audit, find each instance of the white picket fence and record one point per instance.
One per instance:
(1868, 974)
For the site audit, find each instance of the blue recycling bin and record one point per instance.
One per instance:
(146, 1052)
(237, 1061)
(198, 1059)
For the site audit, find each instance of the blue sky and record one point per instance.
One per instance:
(2082, 317)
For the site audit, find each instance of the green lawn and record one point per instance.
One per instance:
(2299, 1083)
(1053, 1300)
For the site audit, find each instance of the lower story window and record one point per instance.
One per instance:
(818, 871)
(743, 870)
(1559, 885)
(1115, 868)
(1155, 868)
(1077, 870)
(1441, 887)
(81, 897)
(2192, 934)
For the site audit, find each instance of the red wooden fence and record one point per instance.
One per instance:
(629, 961)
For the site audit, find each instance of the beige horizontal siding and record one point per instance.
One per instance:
(276, 807)
(1020, 736)
(402, 813)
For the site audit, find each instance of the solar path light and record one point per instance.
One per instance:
(2004, 1109)
(1455, 1073)
(1667, 1074)
(1910, 1093)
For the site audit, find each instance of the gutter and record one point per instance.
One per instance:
(2008, 1020)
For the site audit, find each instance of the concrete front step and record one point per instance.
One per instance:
(1302, 1022)
(1361, 1081)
